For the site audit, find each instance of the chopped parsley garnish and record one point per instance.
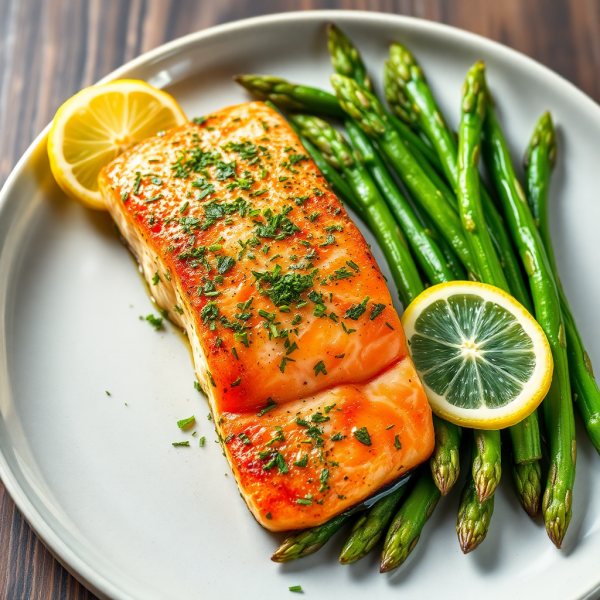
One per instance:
(337, 437)
(284, 289)
(278, 227)
(185, 422)
(352, 265)
(397, 443)
(279, 437)
(271, 404)
(277, 460)
(323, 477)
(305, 502)
(181, 443)
(356, 310)
(237, 382)
(137, 183)
(269, 515)
(319, 417)
(154, 198)
(342, 273)
(257, 193)
(225, 170)
(199, 120)
(156, 279)
(178, 309)
(245, 439)
(320, 368)
(224, 263)
(329, 240)
(377, 310)
(362, 435)
(230, 437)
(245, 149)
(296, 158)
(283, 363)
(201, 441)
(156, 322)
(209, 314)
(302, 462)
(329, 408)
(210, 378)
(348, 331)
(205, 186)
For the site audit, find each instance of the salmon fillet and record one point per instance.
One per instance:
(293, 333)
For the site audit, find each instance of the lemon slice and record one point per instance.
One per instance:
(483, 359)
(99, 123)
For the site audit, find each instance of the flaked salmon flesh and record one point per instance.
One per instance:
(294, 337)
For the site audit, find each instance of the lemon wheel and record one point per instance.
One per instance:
(483, 359)
(99, 123)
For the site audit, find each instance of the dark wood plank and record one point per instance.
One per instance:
(49, 49)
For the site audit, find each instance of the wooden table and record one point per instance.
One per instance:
(49, 49)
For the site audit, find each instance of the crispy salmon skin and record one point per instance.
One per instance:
(294, 336)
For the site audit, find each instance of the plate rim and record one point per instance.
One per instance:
(86, 573)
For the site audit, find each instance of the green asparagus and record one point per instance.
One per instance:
(346, 58)
(539, 161)
(369, 114)
(405, 72)
(444, 462)
(527, 478)
(474, 517)
(405, 531)
(308, 541)
(557, 406)
(427, 253)
(370, 526)
(291, 96)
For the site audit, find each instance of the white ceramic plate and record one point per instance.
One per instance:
(97, 477)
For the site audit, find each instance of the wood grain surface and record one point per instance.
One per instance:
(49, 49)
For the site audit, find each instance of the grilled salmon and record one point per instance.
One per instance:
(293, 333)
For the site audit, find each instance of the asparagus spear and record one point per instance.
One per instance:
(444, 462)
(432, 231)
(308, 541)
(408, 523)
(369, 114)
(487, 466)
(403, 70)
(370, 526)
(409, 94)
(539, 161)
(557, 406)
(474, 516)
(527, 478)
(427, 253)
(347, 61)
(291, 96)
(344, 53)
(346, 58)
(339, 154)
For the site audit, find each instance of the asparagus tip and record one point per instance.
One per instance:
(556, 532)
(387, 564)
(467, 541)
